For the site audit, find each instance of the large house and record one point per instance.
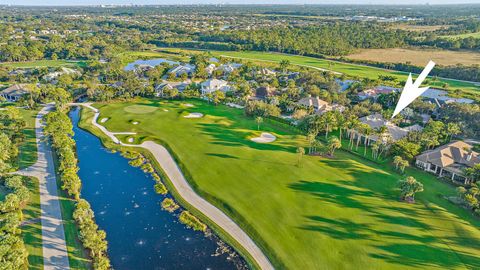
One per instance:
(449, 160)
(375, 92)
(64, 70)
(182, 69)
(320, 106)
(376, 121)
(180, 86)
(229, 68)
(14, 92)
(213, 85)
(263, 92)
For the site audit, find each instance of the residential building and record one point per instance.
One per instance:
(320, 106)
(182, 69)
(213, 85)
(53, 75)
(394, 132)
(229, 68)
(449, 161)
(373, 93)
(14, 92)
(263, 92)
(180, 86)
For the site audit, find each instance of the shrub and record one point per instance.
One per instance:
(192, 222)
(160, 188)
(169, 205)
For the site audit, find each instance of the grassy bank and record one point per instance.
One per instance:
(32, 228)
(334, 213)
(44, 63)
(85, 123)
(28, 148)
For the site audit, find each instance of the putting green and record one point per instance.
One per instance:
(140, 109)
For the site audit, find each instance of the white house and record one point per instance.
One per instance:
(229, 68)
(320, 106)
(213, 85)
(53, 75)
(182, 69)
(376, 121)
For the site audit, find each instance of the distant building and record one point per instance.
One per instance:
(213, 85)
(53, 75)
(449, 161)
(229, 68)
(376, 121)
(14, 92)
(320, 106)
(373, 93)
(180, 86)
(183, 69)
(263, 92)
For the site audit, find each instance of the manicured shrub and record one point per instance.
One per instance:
(169, 205)
(192, 222)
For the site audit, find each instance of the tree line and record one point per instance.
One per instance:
(59, 130)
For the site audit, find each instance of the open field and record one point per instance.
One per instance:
(44, 63)
(468, 89)
(417, 57)
(340, 213)
(32, 230)
(474, 35)
(418, 28)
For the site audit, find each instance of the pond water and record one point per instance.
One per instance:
(150, 62)
(140, 235)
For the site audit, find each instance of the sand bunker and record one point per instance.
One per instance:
(103, 120)
(194, 115)
(165, 110)
(130, 140)
(188, 105)
(135, 123)
(264, 138)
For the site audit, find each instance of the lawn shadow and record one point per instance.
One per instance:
(229, 136)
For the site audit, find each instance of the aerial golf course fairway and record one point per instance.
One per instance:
(340, 213)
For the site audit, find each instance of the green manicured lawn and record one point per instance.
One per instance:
(44, 63)
(340, 213)
(32, 230)
(28, 148)
(474, 35)
(469, 89)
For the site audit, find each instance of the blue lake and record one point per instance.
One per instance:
(140, 235)
(150, 62)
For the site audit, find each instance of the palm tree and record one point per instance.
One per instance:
(333, 144)
(311, 139)
(403, 164)
(366, 132)
(259, 120)
(396, 161)
(452, 129)
(329, 122)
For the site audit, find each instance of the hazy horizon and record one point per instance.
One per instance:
(231, 2)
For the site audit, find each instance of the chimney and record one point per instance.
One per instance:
(469, 156)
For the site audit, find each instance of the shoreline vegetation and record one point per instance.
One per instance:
(85, 123)
(59, 130)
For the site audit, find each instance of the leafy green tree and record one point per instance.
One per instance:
(409, 187)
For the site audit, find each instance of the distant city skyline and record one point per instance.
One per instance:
(233, 2)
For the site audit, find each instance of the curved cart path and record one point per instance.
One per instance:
(178, 180)
(55, 255)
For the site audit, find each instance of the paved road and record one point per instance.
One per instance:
(178, 180)
(55, 256)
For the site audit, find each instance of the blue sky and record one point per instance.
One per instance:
(97, 2)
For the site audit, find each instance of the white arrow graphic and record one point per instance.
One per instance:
(411, 90)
